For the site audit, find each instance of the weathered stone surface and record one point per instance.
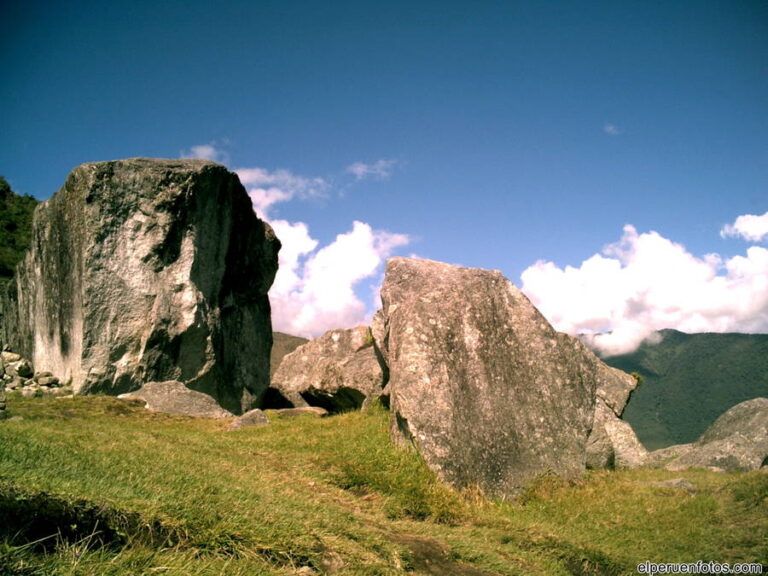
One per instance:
(614, 387)
(250, 419)
(738, 440)
(150, 270)
(612, 442)
(675, 483)
(338, 371)
(173, 397)
(480, 382)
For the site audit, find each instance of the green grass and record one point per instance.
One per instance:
(124, 491)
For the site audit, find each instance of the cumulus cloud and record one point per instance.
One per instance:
(213, 152)
(314, 290)
(381, 169)
(267, 188)
(749, 227)
(316, 287)
(644, 283)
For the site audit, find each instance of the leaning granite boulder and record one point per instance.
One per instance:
(150, 270)
(483, 386)
(738, 440)
(612, 441)
(173, 397)
(338, 371)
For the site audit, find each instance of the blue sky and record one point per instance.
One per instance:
(490, 134)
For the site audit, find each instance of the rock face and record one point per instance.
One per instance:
(338, 371)
(738, 440)
(150, 270)
(486, 389)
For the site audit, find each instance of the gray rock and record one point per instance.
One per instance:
(614, 387)
(9, 357)
(612, 441)
(250, 419)
(50, 381)
(150, 270)
(738, 440)
(21, 368)
(173, 397)
(663, 456)
(29, 392)
(676, 483)
(302, 411)
(489, 393)
(338, 371)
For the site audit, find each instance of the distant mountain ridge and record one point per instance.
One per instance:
(689, 380)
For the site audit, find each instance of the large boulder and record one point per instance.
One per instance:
(485, 388)
(338, 371)
(738, 440)
(150, 270)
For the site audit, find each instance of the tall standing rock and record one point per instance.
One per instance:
(487, 390)
(150, 270)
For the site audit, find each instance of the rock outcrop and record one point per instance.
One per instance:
(612, 442)
(486, 389)
(738, 440)
(338, 371)
(148, 270)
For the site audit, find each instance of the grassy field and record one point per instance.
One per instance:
(94, 485)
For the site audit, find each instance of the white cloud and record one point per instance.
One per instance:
(381, 169)
(611, 129)
(644, 283)
(314, 290)
(213, 152)
(749, 227)
(267, 188)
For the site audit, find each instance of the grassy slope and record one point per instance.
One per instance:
(691, 379)
(309, 496)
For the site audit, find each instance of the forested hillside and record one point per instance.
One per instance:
(15, 227)
(691, 379)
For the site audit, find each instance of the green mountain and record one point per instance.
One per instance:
(283, 344)
(689, 380)
(15, 228)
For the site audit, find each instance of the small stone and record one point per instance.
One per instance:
(21, 368)
(678, 483)
(9, 357)
(39, 375)
(49, 381)
(29, 392)
(252, 418)
(293, 412)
